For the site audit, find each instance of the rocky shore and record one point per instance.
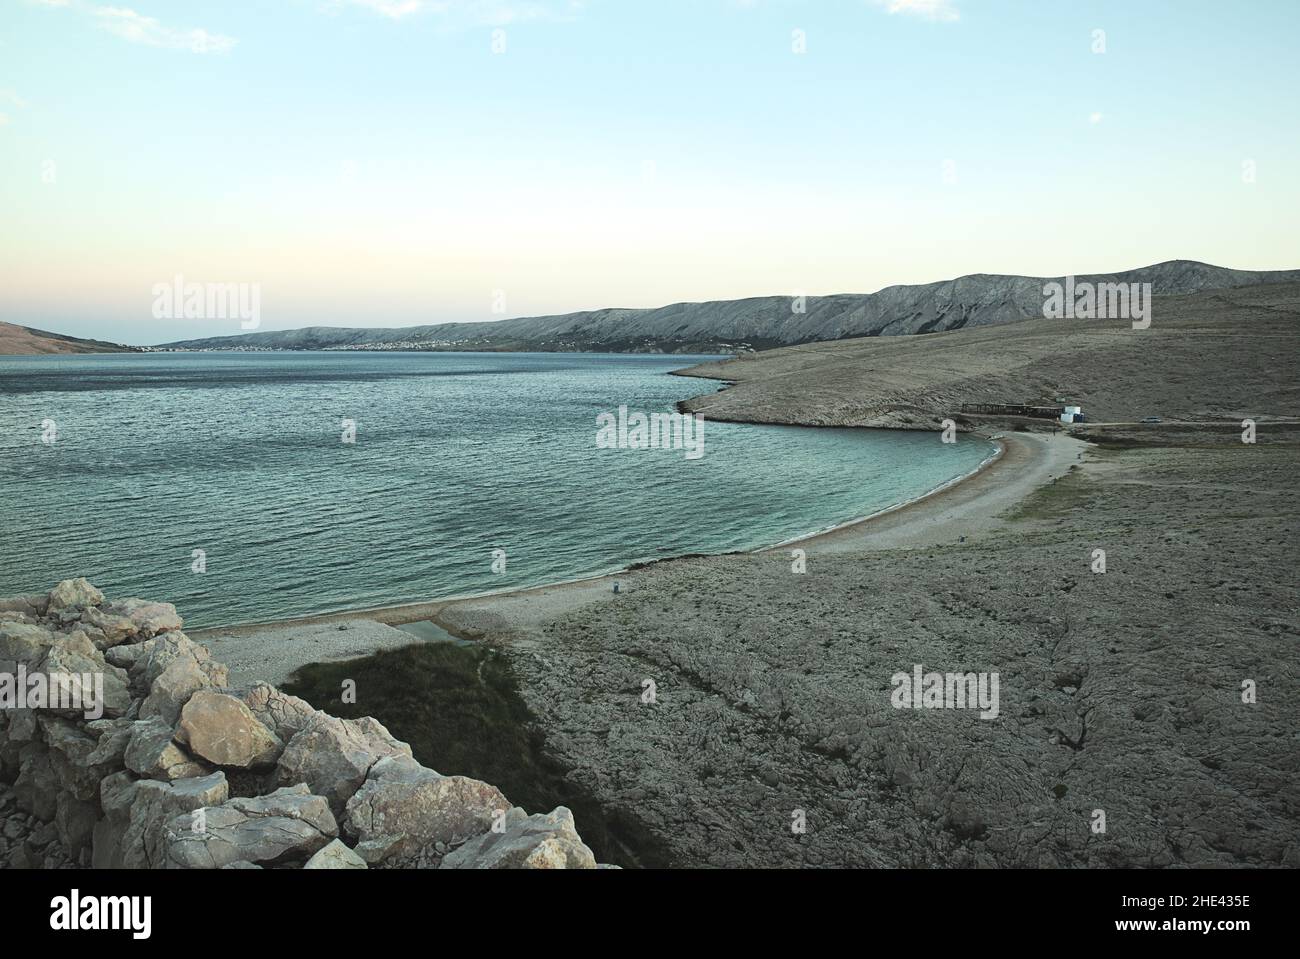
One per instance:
(1147, 715)
(149, 758)
(1157, 694)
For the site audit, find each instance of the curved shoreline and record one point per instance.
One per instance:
(396, 613)
(987, 463)
(967, 506)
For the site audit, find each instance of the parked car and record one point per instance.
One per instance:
(1151, 419)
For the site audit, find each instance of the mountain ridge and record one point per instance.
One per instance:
(751, 323)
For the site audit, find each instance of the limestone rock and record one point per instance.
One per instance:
(149, 659)
(528, 842)
(222, 730)
(132, 620)
(403, 799)
(23, 643)
(287, 825)
(184, 675)
(113, 735)
(128, 657)
(132, 785)
(380, 849)
(32, 604)
(71, 596)
(333, 756)
(160, 812)
(283, 714)
(335, 856)
(116, 795)
(72, 753)
(75, 657)
(152, 753)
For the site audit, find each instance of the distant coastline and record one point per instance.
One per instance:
(27, 341)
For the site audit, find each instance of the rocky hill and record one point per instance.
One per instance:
(1225, 354)
(23, 340)
(756, 323)
(174, 768)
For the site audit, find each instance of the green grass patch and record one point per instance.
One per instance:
(459, 708)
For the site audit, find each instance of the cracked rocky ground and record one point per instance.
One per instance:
(1119, 692)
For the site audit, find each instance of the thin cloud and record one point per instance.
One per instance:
(126, 23)
(940, 10)
(490, 12)
(135, 27)
(393, 9)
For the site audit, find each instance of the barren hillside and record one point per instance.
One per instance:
(1217, 354)
(23, 340)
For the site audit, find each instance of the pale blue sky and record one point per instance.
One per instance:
(377, 163)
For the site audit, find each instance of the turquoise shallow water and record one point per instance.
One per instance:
(456, 455)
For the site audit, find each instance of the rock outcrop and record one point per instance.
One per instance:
(118, 735)
(404, 808)
(528, 842)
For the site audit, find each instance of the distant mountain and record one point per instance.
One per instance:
(26, 341)
(726, 326)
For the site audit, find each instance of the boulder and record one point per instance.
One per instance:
(183, 676)
(335, 856)
(380, 849)
(116, 796)
(72, 757)
(112, 737)
(162, 811)
(419, 807)
(32, 604)
(151, 753)
(132, 620)
(147, 661)
(281, 713)
(222, 730)
(147, 781)
(128, 657)
(74, 657)
(23, 643)
(333, 756)
(528, 842)
(70, 597)
(290, 824)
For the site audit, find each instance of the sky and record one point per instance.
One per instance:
(396, 162)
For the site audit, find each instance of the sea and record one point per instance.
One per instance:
(253, 487)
